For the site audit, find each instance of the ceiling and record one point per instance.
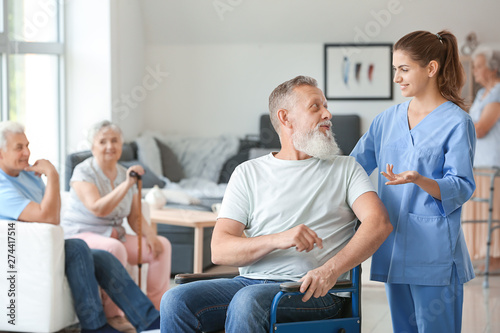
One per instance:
(239, 21)
(310, 21)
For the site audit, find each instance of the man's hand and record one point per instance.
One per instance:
(317, 282)
(48, 210)
(300, 237)
(42, 167)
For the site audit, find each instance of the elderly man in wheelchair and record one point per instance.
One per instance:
(298, 210)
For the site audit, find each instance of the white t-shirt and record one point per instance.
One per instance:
(270, 195)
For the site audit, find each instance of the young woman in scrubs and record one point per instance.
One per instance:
(424, 149)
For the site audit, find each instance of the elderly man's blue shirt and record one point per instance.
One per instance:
(17, 192)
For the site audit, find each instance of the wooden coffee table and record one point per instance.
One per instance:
(187, 218)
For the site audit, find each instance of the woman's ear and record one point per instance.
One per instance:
(433, 68)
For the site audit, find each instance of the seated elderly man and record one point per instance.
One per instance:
(298, 210)
(24, 197)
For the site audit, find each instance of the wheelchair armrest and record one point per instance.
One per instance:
(291, 287)
(186, 278)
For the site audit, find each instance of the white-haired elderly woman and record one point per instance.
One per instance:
(485, 112)
(102, 194)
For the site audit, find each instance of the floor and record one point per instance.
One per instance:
(481, 311)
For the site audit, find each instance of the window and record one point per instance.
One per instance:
(31, 50)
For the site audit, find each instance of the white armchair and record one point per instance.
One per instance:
(41, 293)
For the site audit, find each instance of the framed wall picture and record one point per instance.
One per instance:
(358, 71)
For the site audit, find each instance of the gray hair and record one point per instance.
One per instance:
(9, 127)
(283, 97)
(104, 124)
(491, 56)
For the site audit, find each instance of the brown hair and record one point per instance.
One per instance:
(424, 46)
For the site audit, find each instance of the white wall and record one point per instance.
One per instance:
(223, 58)
(129, 87)
(215, 89)
(104, 67)
(207, 67)
(88, 63)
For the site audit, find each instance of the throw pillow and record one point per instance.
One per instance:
(172, 169)
(149, 179)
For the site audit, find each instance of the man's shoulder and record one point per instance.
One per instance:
(270, 161)
(24, 177)
(341, 161)
(255, 162)
(17, 192)
(344, 159)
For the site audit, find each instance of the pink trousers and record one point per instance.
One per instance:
(158, 281)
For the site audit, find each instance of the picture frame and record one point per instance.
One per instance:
(358, 71)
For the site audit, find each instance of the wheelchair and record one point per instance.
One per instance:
(350, 323)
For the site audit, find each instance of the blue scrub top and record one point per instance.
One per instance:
(427, 239)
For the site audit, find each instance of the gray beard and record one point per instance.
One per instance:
(316, 144)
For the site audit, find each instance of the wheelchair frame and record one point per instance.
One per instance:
(351, 324)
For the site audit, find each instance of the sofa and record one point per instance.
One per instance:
(41, 294)
(181, 166)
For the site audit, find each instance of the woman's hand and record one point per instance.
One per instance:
(137, 169)
(154, 244)
(399, 178)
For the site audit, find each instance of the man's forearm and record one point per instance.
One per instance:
(236, 251)
(367, 239)
(230, 248)
(51, 202)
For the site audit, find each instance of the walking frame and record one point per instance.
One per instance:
(492, 224)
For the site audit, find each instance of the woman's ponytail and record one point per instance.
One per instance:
(423, 47)
(452, 75)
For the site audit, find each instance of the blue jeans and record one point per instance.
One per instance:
(87, 269)
(239, 304)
